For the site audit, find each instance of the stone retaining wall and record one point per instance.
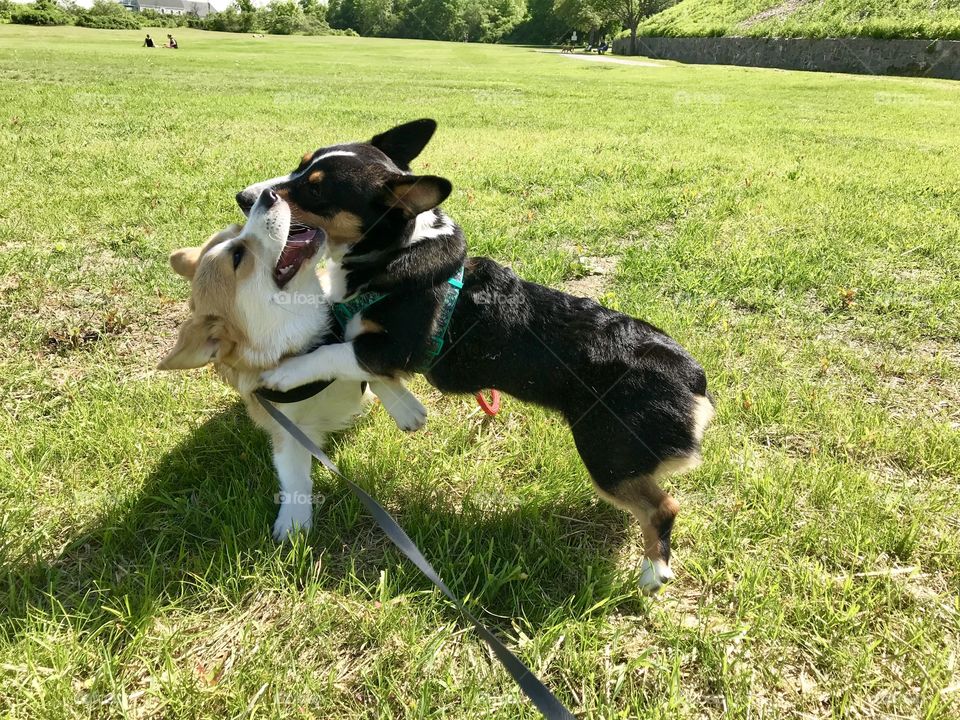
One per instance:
(925, 58)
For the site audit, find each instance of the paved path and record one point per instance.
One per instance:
(608, 59)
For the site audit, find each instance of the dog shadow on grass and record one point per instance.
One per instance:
(204, 518)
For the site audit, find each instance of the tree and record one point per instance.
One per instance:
(314, 9)
(282, 17)
(490, 20)
(248, 14)
(471, 20)
(474, 19)
(584, 14)
(434, 20)
(343, 14)
(70, 7)
(228, 20)
(42, 12)
(629, 13)
(376, 17)
(106, 7)
(541, 26)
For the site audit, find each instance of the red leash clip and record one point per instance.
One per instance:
(491, 408)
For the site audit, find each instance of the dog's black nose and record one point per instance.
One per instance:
(243, 201)
(269, 198)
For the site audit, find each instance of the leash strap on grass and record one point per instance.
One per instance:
(545, 700)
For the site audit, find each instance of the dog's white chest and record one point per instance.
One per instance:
(334, 281)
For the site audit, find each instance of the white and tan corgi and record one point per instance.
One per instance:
(256, 299)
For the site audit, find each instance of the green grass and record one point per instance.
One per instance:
(797, 232)
(809, 18)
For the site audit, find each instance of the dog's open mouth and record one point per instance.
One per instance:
(302, 244)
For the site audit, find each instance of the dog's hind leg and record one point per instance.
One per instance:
(655, 510)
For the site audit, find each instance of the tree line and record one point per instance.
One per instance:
(278, 17)
(540, 22)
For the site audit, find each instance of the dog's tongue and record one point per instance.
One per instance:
(302, 236)
(299, 247)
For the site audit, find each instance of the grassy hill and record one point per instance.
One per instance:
(809, 18)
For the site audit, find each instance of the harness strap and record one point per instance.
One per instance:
(297, 394)
(345, 311)
(435, 343)
(530, 684)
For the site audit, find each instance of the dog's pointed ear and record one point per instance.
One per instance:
(415, 194)
(196, 346)
(185, 260)
(404, 142)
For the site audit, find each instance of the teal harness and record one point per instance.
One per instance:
(345, 311)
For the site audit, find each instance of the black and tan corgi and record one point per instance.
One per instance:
(635, 400)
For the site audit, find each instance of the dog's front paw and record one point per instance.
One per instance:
(402, 405)
(408, 413)
(654, 574)
(292, 518)
(289, 374)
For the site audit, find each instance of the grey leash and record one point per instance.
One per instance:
(545, 700)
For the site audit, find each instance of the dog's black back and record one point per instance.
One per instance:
(625, 387)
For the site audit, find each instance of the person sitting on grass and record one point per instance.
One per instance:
(148, 42)
(171, 43)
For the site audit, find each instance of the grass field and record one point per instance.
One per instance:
(804, 18)
(797, 232)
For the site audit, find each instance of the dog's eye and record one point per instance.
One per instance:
(238, 252)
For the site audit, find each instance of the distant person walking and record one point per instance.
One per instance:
(171, 43)
(148, 42)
